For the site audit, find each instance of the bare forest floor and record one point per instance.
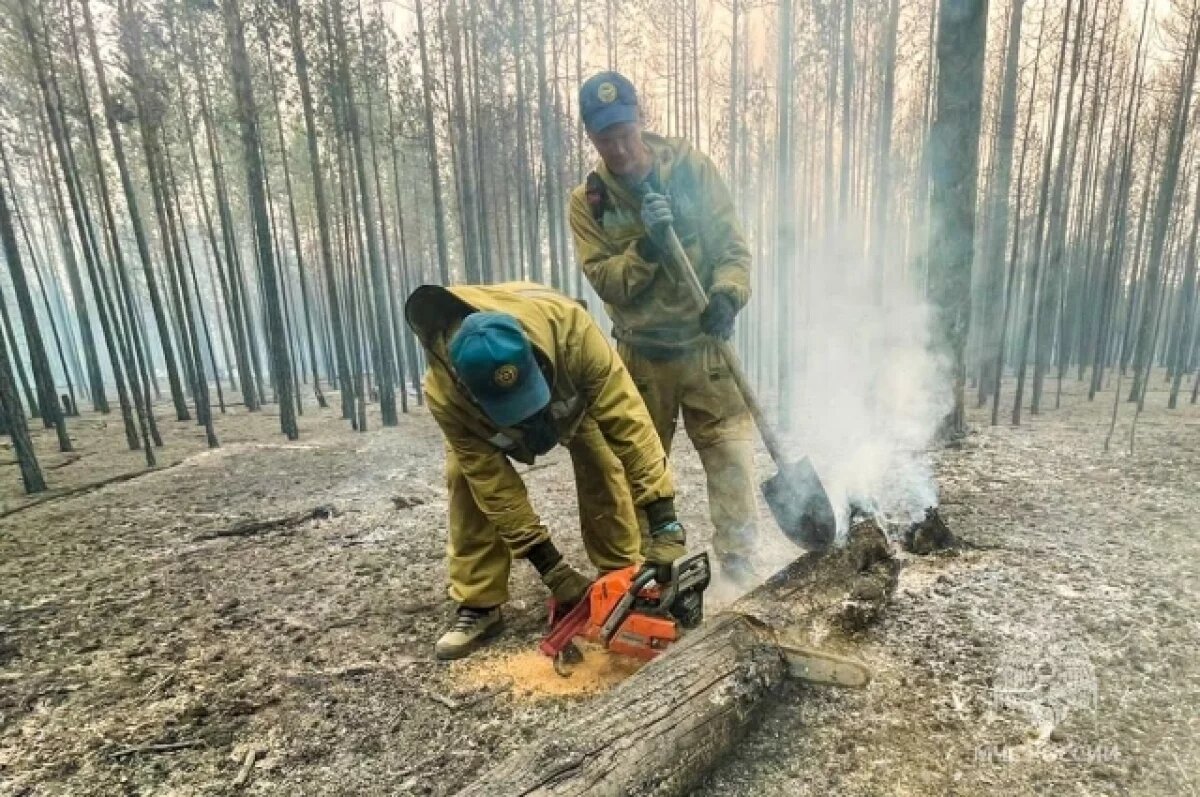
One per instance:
(154, 641)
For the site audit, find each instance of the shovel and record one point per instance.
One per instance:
(795, 494)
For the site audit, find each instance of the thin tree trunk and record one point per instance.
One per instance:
(954, 140)
(226, 253)
(465, 174)
(295, 230)
(1010, 293)
(12, 418)
(734, 91)
(72, 409)
(549, 151)
(349, 215)
(35, 410)
(248, 122)
(197, 316)
(527, 204)
(52, 102)
(386, 370)
(847, 43)
(293, 346)
(320, 199)
(39, 362)
(435, 178)
(135, 350)
(785, 229)
(74, 280)
(46, 218)
(1181, 115)
(409, 347)
(1185, 326)
(992, 255)
(883, 166)
(1059, 208)
(135, 220)
(1033, 284)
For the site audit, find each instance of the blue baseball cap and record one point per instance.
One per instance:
(607, 99)
(494, 359)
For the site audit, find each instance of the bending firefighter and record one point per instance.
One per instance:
(643, 186)
(515, 370)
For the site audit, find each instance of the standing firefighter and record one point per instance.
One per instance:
(514, 370)
(643, 185)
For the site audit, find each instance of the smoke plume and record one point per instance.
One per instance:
(870, 391)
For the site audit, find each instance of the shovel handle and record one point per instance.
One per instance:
(683, 269)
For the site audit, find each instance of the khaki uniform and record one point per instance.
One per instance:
(618, 460)
(675, 366)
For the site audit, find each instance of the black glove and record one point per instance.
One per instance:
(566, 584)
(668, 541)
(717, 318)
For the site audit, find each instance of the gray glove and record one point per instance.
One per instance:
(665, 547)
(656, 213)
(667, 542)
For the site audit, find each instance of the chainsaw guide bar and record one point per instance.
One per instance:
(816, 666)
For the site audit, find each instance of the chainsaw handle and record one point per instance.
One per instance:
(573, 623)
(643, 579)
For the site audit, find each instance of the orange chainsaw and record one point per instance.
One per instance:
(627, 612)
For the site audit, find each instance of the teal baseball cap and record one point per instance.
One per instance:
(606, 99)
(493, 357)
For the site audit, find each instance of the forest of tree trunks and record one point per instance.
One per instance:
(213, 204)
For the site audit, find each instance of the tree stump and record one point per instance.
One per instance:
(661, 730)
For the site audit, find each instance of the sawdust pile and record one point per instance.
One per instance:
(532, 674)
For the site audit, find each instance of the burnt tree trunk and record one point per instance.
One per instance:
(658, 732)
(320, 201)
(435, 179)
(1164, 202)
(247, 114)
(954, 142)
(139, 233)
(38, 360)
(12, 422)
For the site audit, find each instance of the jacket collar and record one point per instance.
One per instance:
(666, 152)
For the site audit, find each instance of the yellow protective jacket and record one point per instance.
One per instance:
(586, 377)
(647, 306)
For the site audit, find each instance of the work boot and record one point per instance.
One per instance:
(472, 628)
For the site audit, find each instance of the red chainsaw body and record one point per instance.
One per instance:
(642, 635)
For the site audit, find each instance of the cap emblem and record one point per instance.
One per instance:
(505, 375)
(606, 92)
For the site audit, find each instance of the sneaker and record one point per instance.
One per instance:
(472, 628)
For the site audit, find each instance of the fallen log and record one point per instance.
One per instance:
(83, 489)
(248, 528)
(662, 729)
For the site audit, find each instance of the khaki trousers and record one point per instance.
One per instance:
(698, 384)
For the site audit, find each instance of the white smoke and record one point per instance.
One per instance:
(870, 390)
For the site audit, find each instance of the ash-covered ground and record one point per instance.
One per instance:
(1058, 656)
(143, 652)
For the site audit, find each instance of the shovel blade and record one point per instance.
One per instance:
(801, 506)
